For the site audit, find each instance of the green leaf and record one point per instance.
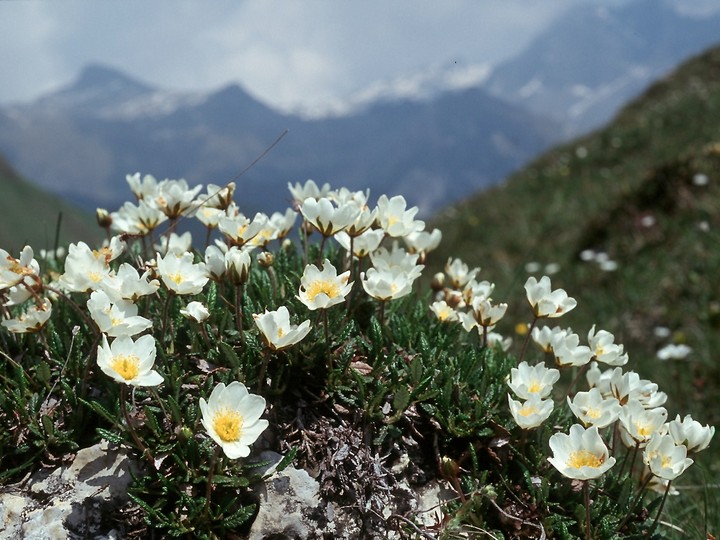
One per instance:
(239, 517)
(230, 355)
(102, 411)
(230, 481)
(401, 398)
(48, 425)
(109, 436)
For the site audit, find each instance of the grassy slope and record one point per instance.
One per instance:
(597, 192)
(29, 215)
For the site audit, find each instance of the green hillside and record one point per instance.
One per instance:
(645, 190)
(29, 215)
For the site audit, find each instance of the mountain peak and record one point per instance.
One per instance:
(106, 77)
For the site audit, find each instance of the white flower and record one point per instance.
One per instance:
(545, 336)
(638, 424)
(674, 352)
(593, 409)
(209, 216)
(117, 318)
(691, 433)
(531, 413)
(328, 218)
(214, 263)
(362, 245)
(13, 271)
(283, 223)
(142, 189)
(459, 273)
(231, 417)
(628, 386)
(195, 311)
(423, 241)
(180, 274)
(84, 269)
(397, 259)
(175, 198)
(665, 458)
(218, 197)
(129, 361)
(497, 340)
(532, 381)
(546, 302)
(137, 219)
(237, 265)
(277, 331)
(443, 311)
(32, 320)
(127, 283)
(237, 228)
(177, 244)
(477, 290)
(581, 454)
(386, 284)
(309, 190)
(605, 350)
(321, 289)
(394, 219)
(568, 351)
(486, 313)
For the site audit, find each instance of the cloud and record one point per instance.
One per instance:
(289, 54)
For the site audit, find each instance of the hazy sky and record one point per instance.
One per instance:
(287, 53)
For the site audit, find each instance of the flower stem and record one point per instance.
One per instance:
(527, 338)
(123, 408)
(586, 492)
(211, 473)
(662, 505)
(239, 311)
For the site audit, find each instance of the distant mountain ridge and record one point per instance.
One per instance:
(106, 124)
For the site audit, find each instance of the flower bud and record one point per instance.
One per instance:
(103, 217)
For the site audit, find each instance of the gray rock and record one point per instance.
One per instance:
(68, 502)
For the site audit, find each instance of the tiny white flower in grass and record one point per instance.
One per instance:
(129, 361)
(605, 350)
(638, 424)
(363, 244)
(443, 311)
(474, 290)
(593, 409)
(531, 413)
(180, 274)
(468, 321)
(116, 317)
(277, 331)
(31, 320)
(394, 219)
(546, 302)
(321, 289)
(674, 352)
(580, 454)
(328, 218)
(691, 433)
(459, 273)
(532, 381)
(386, 284)
(195, 311)
(231, 416)
(665, 458)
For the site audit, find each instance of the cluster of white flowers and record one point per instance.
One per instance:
(617, 401)
(462, 298)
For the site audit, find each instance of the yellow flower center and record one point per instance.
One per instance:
(95, 277)
(444, 313)
(393, 288)
(127, 367)
(526, 410)
(583, 458)
(228, 425)
(176, 278)
(644, 430)
(666, 462)
(322, 286)
(280, 332)
(534, 387)
(599, 351)
(594, 413)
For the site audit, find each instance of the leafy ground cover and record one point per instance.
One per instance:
(198, 355)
